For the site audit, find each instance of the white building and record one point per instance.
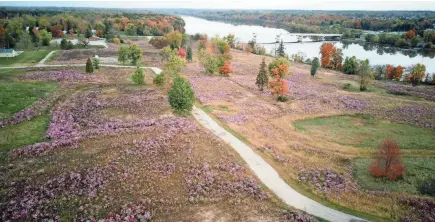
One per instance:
(7, 53)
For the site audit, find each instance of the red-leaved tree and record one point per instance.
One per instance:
(182, 52)
(388, 161)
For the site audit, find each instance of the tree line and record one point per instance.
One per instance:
(18, 23)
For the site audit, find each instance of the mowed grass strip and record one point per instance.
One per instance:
(15, 96)
(367, 132)
(418, 170)
(25, 58)
(27, 132)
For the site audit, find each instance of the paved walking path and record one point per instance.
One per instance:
(269, 176)
(46, 57)
(154, 69)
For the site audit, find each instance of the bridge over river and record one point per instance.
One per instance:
(313, 37)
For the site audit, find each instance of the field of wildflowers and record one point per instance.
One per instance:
(306, 161)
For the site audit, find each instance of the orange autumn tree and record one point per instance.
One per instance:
(389, 71)
(279, 70)
(388, 161)
(331, 56)
(398, 72)
(410, 34)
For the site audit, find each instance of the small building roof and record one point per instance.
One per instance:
(6, 50)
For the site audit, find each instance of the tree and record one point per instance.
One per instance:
(45, 37)
(226, 69)
(314, 66)
(398, 72)
(390, 71)
(366, 74)
(262, 79)
(138, 76)
(181, 96)
(417, 74)
(388, 161)
(89, 66)
(131, 29)
(231, 40)
(173, 64)
(174, 39)
(189, 54)
(123, 54)
(280, 52)
(279, 67)
(14, 30)
(135, 54)
(88, 32)
(350, 65)
(410, 34)
(96, 63)
(327, 50)
(337, 59)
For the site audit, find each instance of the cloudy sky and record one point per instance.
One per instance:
(242, 4)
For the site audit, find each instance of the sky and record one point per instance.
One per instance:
(241, 4)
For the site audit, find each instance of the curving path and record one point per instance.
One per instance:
(269, 176)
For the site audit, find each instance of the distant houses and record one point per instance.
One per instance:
(4, 53)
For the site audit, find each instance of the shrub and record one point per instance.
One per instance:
(226, 69)
(388, 161)
(159, 42)
(116, 40)
(69, 45)
(402, 43)
(96, 63)
(138, 76)
(89, 66)
(181, 96)
(63, 44)
(282, 98)
(347, 86)
(366, 74)
(181, 52)
(428, 187)
(159, 79)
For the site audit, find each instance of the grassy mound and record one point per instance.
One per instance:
(366, 131)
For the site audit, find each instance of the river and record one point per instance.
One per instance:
(378, 55)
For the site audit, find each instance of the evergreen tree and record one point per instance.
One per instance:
(63, 44)
(314, 66)
(138, 76)
(89, 67)
(262, 79)
(88, 32)
(189, 54)
(181, 96)
(280, 52)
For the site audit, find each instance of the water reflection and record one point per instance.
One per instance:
(377, 54)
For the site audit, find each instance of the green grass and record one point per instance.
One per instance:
(8, 74)
(418, 170)
(366, 131)
(28, 132)
(25, 58)
(15, 96)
